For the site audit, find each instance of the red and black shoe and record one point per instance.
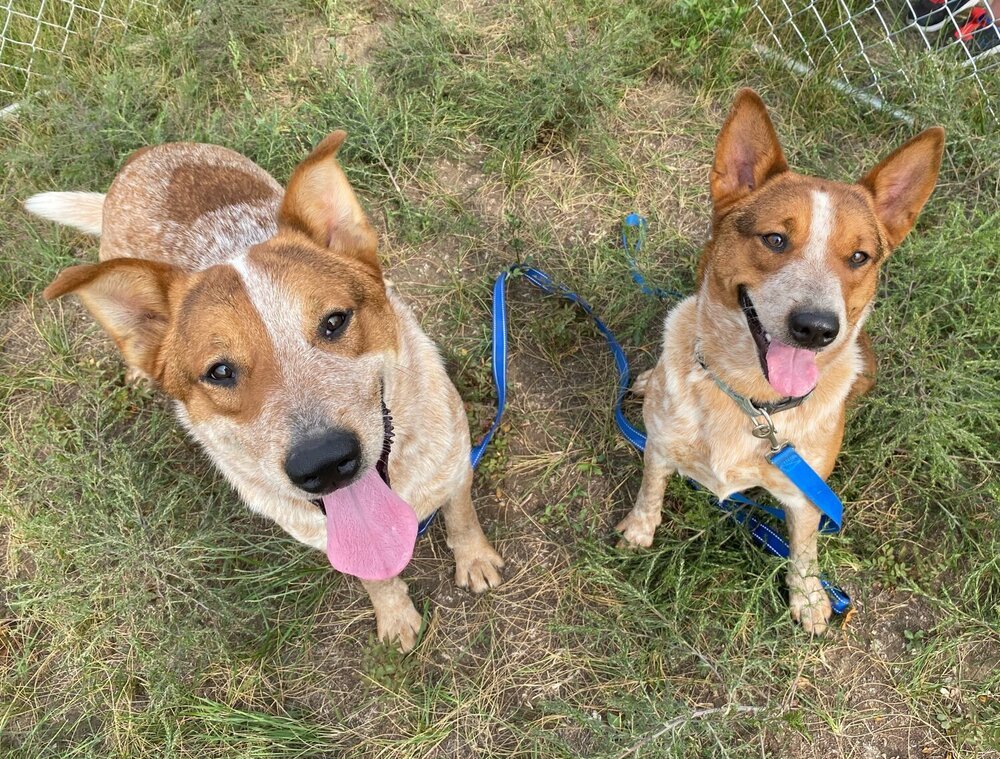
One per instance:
(980, 34)
(931, 15)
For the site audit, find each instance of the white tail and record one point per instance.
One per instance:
(83, 210)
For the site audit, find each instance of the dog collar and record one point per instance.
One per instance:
(382, 465)
(749, 405)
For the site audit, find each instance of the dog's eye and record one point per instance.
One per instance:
(331, 327)
(221, 374)
(775, 241)
(858, 258)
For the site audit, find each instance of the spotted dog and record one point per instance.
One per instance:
(784, 286)
(264, 315)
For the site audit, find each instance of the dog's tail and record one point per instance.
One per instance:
(82, 210)
(639, 386)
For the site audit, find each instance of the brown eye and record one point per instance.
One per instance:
(776, 242)
(331, 327)
(858, 258)
(220, 374)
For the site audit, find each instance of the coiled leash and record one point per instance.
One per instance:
(784, 457)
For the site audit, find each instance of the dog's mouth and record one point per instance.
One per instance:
(789, 370)
(370, 531)
(382, 465)
(760, 336)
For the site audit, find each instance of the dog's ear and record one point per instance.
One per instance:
(129, 297)
(747, 152)
(903, 182)
(320, 203)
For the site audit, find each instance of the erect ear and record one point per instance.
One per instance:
(320, 203)
(747, 152)
(129, 298)
(901, 183)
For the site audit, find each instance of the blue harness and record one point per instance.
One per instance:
(784, 457)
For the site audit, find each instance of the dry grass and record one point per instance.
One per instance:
(144, 611)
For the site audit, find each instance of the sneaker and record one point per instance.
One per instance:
(931, 15)
(979, 19)
(980, 34)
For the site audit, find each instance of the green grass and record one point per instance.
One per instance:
(145, 612)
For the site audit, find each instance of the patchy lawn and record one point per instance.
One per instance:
(145, 612)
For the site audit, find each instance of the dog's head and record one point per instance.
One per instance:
(793, 262)
(276, 359)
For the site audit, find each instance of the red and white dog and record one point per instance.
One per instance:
(264, 315)
(784, 287)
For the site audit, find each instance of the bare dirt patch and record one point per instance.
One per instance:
(670, 162)
(865, 679)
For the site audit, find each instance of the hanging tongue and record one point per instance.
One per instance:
(370, 531)
(791, 371)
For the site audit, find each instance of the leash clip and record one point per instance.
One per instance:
(763, 425)
(763, 429)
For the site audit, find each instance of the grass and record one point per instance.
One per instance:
(144, 611)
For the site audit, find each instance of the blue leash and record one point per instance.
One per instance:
(543, 282)
(634, 232)
(786, 459)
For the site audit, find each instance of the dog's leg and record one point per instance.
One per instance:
(477, 565)
(638, 527)
(809, 603)
(396, 618)
(641, 383)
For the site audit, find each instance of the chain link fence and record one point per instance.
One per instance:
(889, 54)
(33, 32)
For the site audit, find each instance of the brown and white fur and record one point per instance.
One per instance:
(693, 427)
(205, 260)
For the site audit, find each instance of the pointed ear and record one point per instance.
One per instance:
(747, 152)
(129, 298)
(320, 203)
(903, 182)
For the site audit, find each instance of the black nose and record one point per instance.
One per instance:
(813, 329)
(319, 464)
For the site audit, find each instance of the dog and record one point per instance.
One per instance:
(265, 317)
(784, 285)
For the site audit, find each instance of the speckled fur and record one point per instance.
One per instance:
(203, 253)
(694, 428)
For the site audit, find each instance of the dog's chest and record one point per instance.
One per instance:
(723, 464)
(716, 447)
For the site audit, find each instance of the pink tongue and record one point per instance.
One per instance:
(370, 531)
(791, 371)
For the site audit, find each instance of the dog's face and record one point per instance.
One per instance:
(276, 359)
(794, 260)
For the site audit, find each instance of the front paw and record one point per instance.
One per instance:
(399, 624)
(810, 605)
(637, 529)
(641, 383)
(478, 569)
